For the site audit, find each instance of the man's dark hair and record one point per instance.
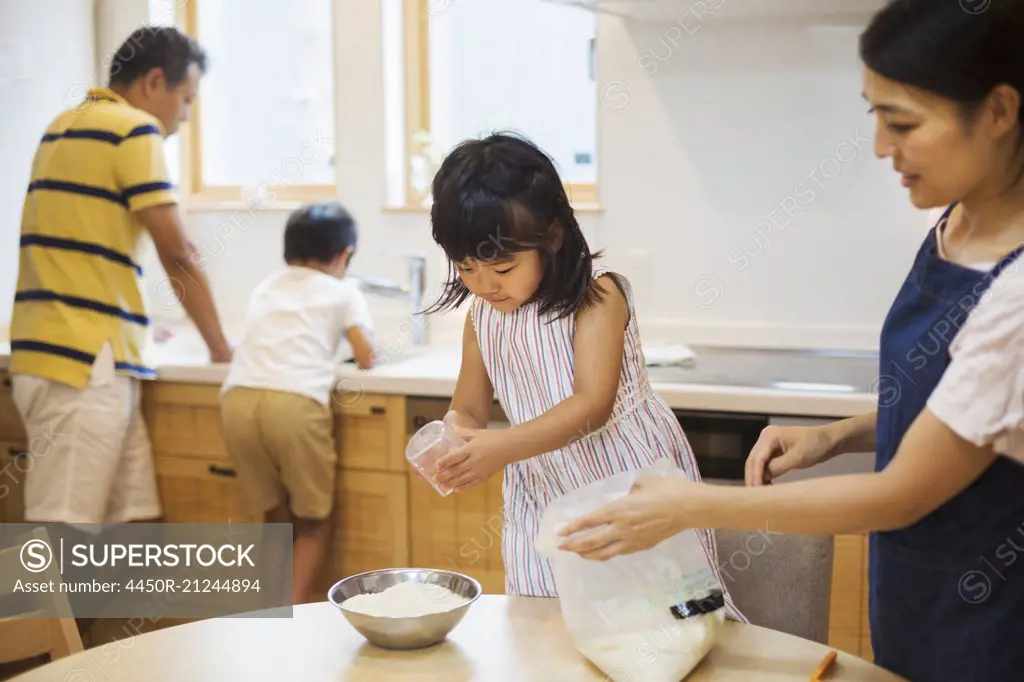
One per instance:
(318, 233)
(156, 47)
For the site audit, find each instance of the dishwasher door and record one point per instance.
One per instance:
(850, 463)
(420, 410)
(721, 441)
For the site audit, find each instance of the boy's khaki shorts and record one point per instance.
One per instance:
(282, 446)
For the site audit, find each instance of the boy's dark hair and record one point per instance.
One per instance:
(501, 195)
(155, 47)
(318, 233)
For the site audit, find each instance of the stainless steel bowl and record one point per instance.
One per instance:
(416, 632)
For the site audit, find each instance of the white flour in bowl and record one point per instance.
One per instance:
(405, 600)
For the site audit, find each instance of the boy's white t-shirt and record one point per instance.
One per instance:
(295, 332)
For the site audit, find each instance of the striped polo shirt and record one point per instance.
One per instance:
(77, 279)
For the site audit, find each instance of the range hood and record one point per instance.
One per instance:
(673, 11)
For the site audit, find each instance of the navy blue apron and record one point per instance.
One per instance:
(946, 594)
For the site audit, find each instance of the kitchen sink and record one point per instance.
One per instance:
(820, 371)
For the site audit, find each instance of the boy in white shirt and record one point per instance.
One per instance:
(276, 400)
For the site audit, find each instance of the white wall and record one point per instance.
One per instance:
(739, 180)
(36, 83)
(699, 155)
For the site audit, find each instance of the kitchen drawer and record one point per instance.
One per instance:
(365, 405)
(11, 427)
(370, 432)
(194, 490)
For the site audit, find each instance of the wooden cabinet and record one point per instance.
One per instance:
(849, 627)
(14, 466)
(14, 461)
(183, 420)
(370, 529)
(385, 515)
(194, 490)
(866, 652)
(371, 498)
(459, 532)
(197, 480)
(11, 428)
(370, 432)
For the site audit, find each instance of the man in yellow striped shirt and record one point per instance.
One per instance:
(99, 179)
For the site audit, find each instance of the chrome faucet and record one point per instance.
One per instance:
(413, 293)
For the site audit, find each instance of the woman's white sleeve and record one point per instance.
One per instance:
(981, 394)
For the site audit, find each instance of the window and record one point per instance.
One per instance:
(458, 70)
(162, 13)
(263, 124)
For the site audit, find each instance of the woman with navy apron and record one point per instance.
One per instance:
(945, 508)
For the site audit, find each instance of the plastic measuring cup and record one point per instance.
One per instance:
(432, 442)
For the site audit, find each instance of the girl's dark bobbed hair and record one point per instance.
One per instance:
(500, 195)
(957, 49)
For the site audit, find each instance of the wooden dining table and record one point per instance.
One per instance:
(501, 639)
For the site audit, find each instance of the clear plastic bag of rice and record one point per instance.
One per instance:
(651, 616)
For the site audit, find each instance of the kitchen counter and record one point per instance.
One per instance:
(501, 639)
(810, 383)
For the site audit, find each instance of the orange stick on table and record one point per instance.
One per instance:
(824, 666)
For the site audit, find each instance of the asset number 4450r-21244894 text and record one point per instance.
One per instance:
(193, 585)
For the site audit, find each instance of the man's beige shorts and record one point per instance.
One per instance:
(89, 452)
(282, 446)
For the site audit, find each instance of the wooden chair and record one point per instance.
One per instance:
(38, 630)
(779, 581)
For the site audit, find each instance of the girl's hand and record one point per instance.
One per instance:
(780, 449)
(480, 458)
(655, 509)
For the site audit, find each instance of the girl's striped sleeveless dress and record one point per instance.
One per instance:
(529, 360)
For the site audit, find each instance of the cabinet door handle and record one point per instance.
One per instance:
(222, 471)
(377, 409)
(16, 452)
(7, 382)
(419, 422)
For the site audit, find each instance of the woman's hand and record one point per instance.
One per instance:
(481, 457)
(785, 448)
(655, 509)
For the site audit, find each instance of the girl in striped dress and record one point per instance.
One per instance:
(554, 337)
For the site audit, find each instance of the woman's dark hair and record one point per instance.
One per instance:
(957, 49)
(501, 195)
(318, 233)
(155, 47)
